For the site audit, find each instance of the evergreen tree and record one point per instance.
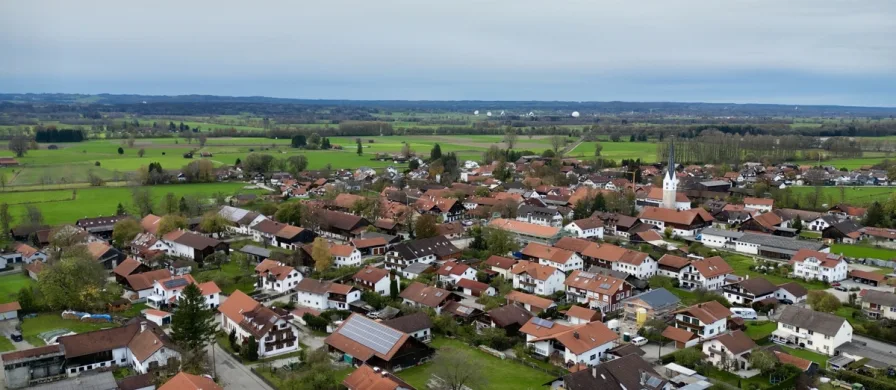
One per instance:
(5, 220)
(26, 300)
(232, 338)
(252, 349)
(360, 148)
(120, 210)
(193, 323)
(798, 224)
(393, 289)
(435, 153)
(600, 203)
(875, 216)
(581, 210)
(237, 162)
(182, 207)
(120, 150)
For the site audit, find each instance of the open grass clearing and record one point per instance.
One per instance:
(816, 357)
(501, 374)
(863, 251)
(6, 344)
(10, 286)
(33, 327)
(857, 196)
(618, 151)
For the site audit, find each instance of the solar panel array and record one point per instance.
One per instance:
(605, 286)
(370, 334)
(174, 283)
(542, 323)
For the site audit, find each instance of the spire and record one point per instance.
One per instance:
(671, 165)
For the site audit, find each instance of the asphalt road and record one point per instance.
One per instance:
(874, 344)
(234, 375)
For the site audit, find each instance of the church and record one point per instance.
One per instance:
(667, 197)
(667, 208)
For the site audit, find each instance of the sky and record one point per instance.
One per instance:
(737, 51)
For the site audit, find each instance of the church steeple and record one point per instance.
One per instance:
(671, 164)
(670, 182)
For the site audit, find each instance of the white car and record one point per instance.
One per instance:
(639, 341)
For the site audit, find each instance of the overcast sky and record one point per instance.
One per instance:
(765, 51)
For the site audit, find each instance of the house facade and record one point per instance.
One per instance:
(706, 320)
(537, 278)
(812, 330)
(272, 330)
(597, 291)
(815, 265)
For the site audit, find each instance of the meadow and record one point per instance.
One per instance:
(646, 151)
(857, 196)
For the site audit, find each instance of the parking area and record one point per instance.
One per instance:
(849, 284)
(7, 328)
(653, 351)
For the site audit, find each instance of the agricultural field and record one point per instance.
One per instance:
(96, 201)
(857, 196)
(646, 151)
(863, 251)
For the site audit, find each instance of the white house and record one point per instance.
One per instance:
(562, 259)
(635, 263)
(275, 276)
(792, 291)
(181, 243)
(241, 220)
(730, 351)
(27, 254)
(814, 265)
(586, 228)
(821, 223)
(167, 292)
(706, 320)
(325, 295)
(749, 290)
(452, 272)
(718, 238)
(684, 223)
(143, 346)
(596, 290)
(761, 204)
(537, 278)
(544, 216)
(274, 334)
(374, 279)
(585, 344)
(708, 274)
(812, 330)
(501, 265)
(345, 255)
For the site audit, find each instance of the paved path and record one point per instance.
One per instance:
(876, 345)
(233, 374)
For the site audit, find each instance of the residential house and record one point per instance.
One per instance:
(684, 223)
(537, 278)
(749, 290)
(672, 266)
(525, 232)
(706, 320)
(449, 209)
(730, 351)
(271, 328)
(814, 265)
(362, 340)
(708, 274)
(345, 255)
(881, 237)
(628, 372)
(561, 259)
(420, 295)
(846, 231)
(569, 345)
(761, 204)
(451, 272)
(578, 315)
(367, 377)
(373, 279)
(196, 247)
(531, 303)
(167, 292)
(374, 246)
(129, 267)
(597, 291)
(812, 330)
(475, 288)
(418, 325)
(879, 304)
(414, 271)
(500, 265)
(618, 224)
(241, 220)
(591, 227)
(658, 303)
(325, 295)
(510, 317)
(821, 223)
(184, 381)
(847, 212)
(105, 254)
(276, 276)
(637, 264)
(141, 284)
(792, 291)
(341, 226)
(425, 250)
(542, 216)
(27, 254)
(140, 345)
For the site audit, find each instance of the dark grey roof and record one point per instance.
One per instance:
(438, 246)
(722, 233)
(542, 212)
(713, 183)
(257, 251)
(758, 286)
(882, 298)
(786, 243)
(85, 381)
(410, 323)
(824, 323)
(846, 226)
(627, 372)
(416, 268)
(658, 298)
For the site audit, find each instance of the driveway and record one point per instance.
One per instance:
(234, 375)
(843, 296)
(653, 352)
(7, 328)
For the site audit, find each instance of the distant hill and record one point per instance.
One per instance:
(518, 107)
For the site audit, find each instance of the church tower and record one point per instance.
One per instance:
(670, 181)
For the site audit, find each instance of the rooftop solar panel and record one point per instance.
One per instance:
(174, 283)
(370, 334)
(542, 323)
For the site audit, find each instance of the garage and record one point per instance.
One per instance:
(9, 311)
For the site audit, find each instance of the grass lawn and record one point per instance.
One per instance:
(741, 265)
(6, 344)
(32, 327)
(852, 250)
(816, 357)
(134, 311)
(687, 297)
(10, 286)
(760, 329)
(856, 196)
(618, 151)
(501, 374)
(239, 278)
(759, 380)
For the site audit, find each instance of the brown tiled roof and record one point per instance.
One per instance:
(472, 285)
(509, 314)
(425, 295)
(737, 342)
(341, 250)
(603, 284)
(147, 342)
(276, 268)
(500, 262)
(97, 249)
(711, 267)
(797, 362)
(678, 334)
(269, 227)
(768, 220)
(529, 299)
(613, 253)
(674, 261)
(828, 260)
(452, 268)
(795, 288)
(366, 378)
(342, 221)
(25, 249)
(759, 201)
(190, 239)
(533, 329)
(320, 287)
(533, 269)
(145, 280)
(343, 343)
(184, 381)
(369, 242)
(867, 275)
(576, 245)
(289, 231)
(582, 338)
(150, 223)
(707, 312)
(35, 267)
(540, 251)
(650, 235)
(126, 267)
(657, 193)
(209, 288)
(346, 201)
(682, 217)
(881, 232)
(371, 274)
(6, 307)
(137, 382)
(524, 227)
(758, 286)
(589, 223)
(30, 353)
(577, 311)
(98, 340)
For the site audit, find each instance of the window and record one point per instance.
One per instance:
(809, 342)
(593, 357)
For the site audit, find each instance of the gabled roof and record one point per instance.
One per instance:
(190, 239)
(438, 246)
(371, 274)
(613, 253)
(473, 285)
(184, 381)
(824, 323)
(707, 312)
(757, 286)
(508, 315)
(545, 252)
(366, 377)
(588, 223)
(581, 338)
(828, 260)
(150, 223)
(529, 299)
(786, 358)
(711, 267)
(576, 245)
(882, 298)
(736, 342)
(363, 338)
(500, 262)
(126, 267)
(576, 311)
(602, 284)
(859, 274)
(341, 250)
(145, 280)
(410, 323)
(798, 290)
(533, 269)
(425, 295)
(759, 201)
(630, 372)
(681, 217)
(525, 228)
(275, 268)
(452, 268)
(673, 261)
(678, 334)
(248, 313)
(320, 287)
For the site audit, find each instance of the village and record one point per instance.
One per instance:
(539, 272)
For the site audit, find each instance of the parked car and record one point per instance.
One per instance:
(835, 284)
(841, 288)
(639, 341)
(16, 336)
(785, 301)
(744, 312)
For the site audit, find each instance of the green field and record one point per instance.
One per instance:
(861, 195)
(501, 374)
(741, 266)
(10, 286)
(92, 202)
(816, 357)
(646, 151)
(862, 251)
(33, 327)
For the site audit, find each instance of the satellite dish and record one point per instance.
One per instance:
(476, 112)
(502, 113)
(575, 114)
(530, 113)
(488, 113)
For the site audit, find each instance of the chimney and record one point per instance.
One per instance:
(142, 326)
(575, 334)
